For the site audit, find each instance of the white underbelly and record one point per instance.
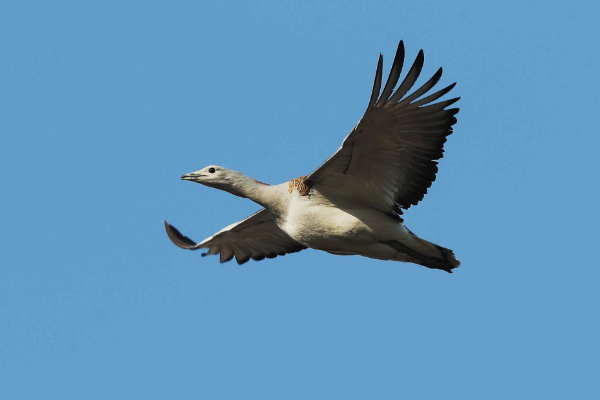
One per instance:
(325, 227)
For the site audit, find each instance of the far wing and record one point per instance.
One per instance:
(388, 161)
(257, 237)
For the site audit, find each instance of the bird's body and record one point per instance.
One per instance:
(351, 204)
(316, 222)
(350, 229)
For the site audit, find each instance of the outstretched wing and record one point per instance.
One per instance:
(257, 237)
(388, 161)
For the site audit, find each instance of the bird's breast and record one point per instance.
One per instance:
(325, 227)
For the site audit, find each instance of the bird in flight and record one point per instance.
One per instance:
(352, 204)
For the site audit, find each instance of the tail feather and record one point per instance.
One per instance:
(448, 257)
(427, 254)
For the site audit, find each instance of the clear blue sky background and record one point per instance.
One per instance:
(104, 105)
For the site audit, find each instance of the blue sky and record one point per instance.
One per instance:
(106, 104)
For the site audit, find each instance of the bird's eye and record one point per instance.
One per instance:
(211, 170)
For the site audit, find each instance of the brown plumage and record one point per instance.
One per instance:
(300, 184)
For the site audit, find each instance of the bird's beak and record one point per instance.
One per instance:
(192, 176)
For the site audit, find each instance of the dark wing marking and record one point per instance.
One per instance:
(257, 237)
(389, 160)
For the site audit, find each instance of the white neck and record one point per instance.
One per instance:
(267, 196)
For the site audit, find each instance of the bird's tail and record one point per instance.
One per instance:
(423, 252)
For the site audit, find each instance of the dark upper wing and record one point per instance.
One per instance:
(388, 161)
(256, 237)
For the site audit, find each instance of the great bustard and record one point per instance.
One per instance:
(351, 205)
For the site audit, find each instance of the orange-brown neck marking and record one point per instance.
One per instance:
(262, 183)
(300, 185)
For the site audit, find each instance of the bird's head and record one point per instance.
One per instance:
(221, 178)
(213, 176)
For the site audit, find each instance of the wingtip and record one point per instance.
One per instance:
(178, 239)
(376, 83)
(400, 48)
(420, 57)
(242, 261)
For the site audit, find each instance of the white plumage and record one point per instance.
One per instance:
(351, 205)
